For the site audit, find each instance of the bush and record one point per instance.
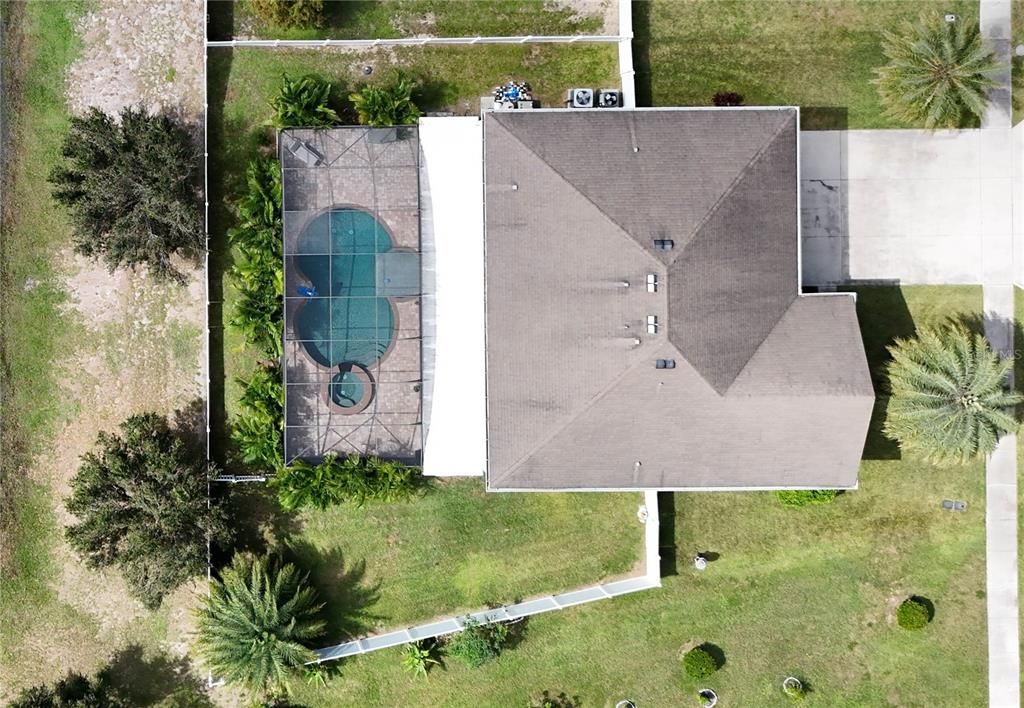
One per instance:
(353, 479)
(142, 504)
(259, 427)
(303, 103)
(727, 98)
(288, 13)
(419, 657)
(699, 663)
(130, 184)
(72, 691)
(478, 643)
(806, 497)
(913, 614)
(384, 105)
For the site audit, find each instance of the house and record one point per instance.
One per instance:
(644, 320)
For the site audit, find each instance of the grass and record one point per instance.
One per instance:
(456, 549)
(39, 42)
(818, 55)
(438, 18)
(242, 82)
(809, 592)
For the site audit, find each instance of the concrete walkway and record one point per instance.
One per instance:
(995, 177)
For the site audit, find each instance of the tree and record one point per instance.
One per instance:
(142, 504)
(938, 73)
(303, 103)
(130, 185)
(288, 13)
(255, 626)
(384, 105)
(478, 643)
(72, 691)
(949, 402)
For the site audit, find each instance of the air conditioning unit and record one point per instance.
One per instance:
(608, 98)
(580, 98)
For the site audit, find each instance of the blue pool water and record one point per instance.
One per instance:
(345, 321)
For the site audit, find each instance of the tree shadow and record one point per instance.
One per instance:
(710, 556)
(257, 521)
(549, 699)
(642, 52)
(155, 680)
(667, 549)
(517, 632)
(432, 94)
(189, 425)
(345, 594)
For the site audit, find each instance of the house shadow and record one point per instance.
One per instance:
(642, 52)
(220, 20)
(667, 549)
(344, 591)
(141, 680)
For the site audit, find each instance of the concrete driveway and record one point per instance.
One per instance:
(898, 205)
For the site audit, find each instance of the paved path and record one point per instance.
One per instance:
(995, 177)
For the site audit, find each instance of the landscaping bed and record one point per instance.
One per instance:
(817, 55)
(809, 592)
(455, 549)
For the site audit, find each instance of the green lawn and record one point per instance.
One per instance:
(815, 54)
(803, 591)
(372, 19)
(456, 549)
(241, 83)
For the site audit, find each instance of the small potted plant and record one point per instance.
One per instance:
(793, 687)
(707, 697)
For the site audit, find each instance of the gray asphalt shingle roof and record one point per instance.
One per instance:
(770, 388)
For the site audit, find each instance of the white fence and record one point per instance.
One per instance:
(415, 41)
(602, 591)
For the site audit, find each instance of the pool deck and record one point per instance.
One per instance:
(377, 171)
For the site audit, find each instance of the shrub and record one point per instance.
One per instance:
(949, 402)
(938, 73)
(805, 497)
(259, 427)
(130, 184)
(384, 105)
(727, 98)
(72, 691)
(255, 626)
(699, 663)
(418, 657)
(353, 479)
(303, 103)
(478, 643)
(142, 505)
(288, 13)
(913, 614)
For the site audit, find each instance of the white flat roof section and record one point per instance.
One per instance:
(452, 228)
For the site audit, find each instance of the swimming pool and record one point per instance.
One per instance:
(343, 319)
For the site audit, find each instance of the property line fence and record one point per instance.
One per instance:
(416, 41)
(651, 578)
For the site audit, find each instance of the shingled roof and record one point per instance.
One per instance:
(770, 387)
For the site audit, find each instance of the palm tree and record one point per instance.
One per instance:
(381, 106)
(949, 402)
(938, 73)
(303, 103)
(255, 625)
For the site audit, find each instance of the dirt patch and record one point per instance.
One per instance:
(140, 52)
(608, 10)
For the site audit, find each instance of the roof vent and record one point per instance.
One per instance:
(665, 363)
(652, 282)
(664, 244)
(652, 324)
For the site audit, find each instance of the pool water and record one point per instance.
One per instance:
(346, 389)
(346, 321)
